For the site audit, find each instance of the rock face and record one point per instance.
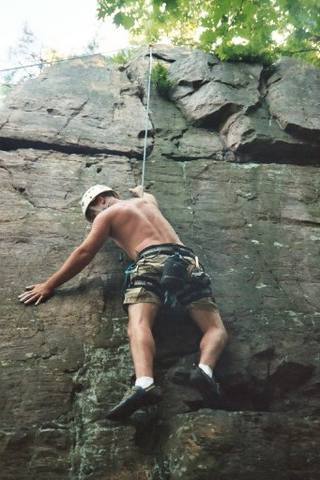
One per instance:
(77, 108)
(234, 157)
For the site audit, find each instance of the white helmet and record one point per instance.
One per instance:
(93, 193)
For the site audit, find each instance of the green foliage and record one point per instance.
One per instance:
(124, 56)
(250, 30)
(123, 20)
(159, 78)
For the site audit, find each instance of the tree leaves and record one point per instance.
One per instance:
(252, 30)
(123, 20)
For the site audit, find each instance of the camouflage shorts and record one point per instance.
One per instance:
(151, 267)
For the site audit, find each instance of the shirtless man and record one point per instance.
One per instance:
(138, 227)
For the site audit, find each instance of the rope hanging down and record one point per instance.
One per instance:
(147, 119)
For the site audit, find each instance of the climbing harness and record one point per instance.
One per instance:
(146, 119)
(180, 285)
(166, 249)
(180, 282)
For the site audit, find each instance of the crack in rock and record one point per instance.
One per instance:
(73, 115)
(8, 144)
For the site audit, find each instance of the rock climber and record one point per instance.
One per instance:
(163, 269)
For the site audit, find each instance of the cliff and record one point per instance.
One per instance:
(234, 162)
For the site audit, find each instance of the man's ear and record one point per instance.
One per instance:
(100, 200)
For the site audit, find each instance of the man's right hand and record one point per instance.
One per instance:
(137, 191)
(36, 294)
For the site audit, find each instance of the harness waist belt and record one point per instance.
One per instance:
(166, 249)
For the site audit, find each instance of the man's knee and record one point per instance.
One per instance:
(219, 329)
(218, 324)
(138, 325)
(135, 328)
(141, 317)
(224, 335)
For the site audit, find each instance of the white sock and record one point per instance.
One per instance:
(206, 369)
(144, 382)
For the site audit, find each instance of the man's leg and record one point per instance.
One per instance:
(214, 334)
(145, 392)
(211, 345)
(141, 320)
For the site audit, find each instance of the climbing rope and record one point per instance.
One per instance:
(146, 119)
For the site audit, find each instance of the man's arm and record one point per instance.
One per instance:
(139, 192)
(74, 264)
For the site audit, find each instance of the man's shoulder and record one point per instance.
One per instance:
(122, 208)
(130, 204)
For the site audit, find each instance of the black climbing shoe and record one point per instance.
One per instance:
(207, 386)
(135, 398)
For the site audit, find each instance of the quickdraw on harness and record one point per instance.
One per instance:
(182, 286)
(174, 277)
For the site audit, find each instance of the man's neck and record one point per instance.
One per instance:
(110, 201)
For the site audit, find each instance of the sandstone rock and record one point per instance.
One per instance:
(258, 136)
(137, 71)
(237, 75)
(241, 445)
(169, 53)
(293, 98)
(222, 95)
(198, 143)
(192, 70)
(82, 104)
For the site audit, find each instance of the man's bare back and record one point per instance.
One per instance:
(136, 224)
